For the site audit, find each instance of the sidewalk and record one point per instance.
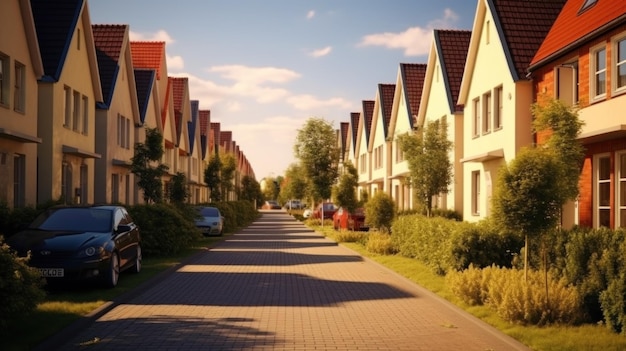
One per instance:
(277, 285)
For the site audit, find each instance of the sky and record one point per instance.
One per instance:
(264, 67)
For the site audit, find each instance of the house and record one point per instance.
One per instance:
(496, 94)
(377, 146)
(350, 142)
(582, 62)
(68, 92)
(442, 81)
(20, 68)
(363, 158)
(406, 104)
(116, 117)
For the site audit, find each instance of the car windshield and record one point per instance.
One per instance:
(329, 207)
(75, 219)
(209, 212)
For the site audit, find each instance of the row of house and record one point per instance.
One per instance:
(75, 98)
(483, 81)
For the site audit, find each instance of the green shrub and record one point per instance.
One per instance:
(613, 306)
(470, 285)
(350, 236)
(380, 243)
(164, 229)
(20, 287)
(380, 211)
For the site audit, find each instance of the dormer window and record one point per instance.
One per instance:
(586, 5)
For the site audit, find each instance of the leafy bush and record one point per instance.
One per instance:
(517, 299)
(20, 287)
(350, 236)
(380, 211)
(380, 243)
(164, 228)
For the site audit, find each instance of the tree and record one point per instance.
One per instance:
(532, 189)
(146, 166)
(345, 191)
(316, 148)
(250, 190)
(294, 185)
(178, 192)
(380, 211)
(429, 164)
(227, 174)
(212, 177)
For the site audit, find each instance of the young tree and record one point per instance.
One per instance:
(294, 185)
(429, 163)
(250, 190)
(212, 177)
(227, 174)
(178, 192)
(316, 148)
(146, 166)
(345, 191)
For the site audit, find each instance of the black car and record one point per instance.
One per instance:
(81, 243)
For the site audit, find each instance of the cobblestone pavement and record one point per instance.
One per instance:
(277, 285)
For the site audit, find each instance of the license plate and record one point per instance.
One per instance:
(52, 272)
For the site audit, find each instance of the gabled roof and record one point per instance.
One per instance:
(385, 94)
(179, 91)
(413, 83)
(193, 124)
(522, 27)
(55, 22)
(148, 54)
(354, 126)
(452, 46)
(144, 81)
(343, 134)
(214, 136)
(109, 40)
(368, 113)
(573, 27)
(205, 121)
(226, 139)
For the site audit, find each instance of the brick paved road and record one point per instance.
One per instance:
(279, 286)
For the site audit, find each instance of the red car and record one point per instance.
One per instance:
(328, 208)
(342, 219)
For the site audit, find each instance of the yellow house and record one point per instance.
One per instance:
(377, 143)
(406, 104)
(360, 149)
(116, 117)
(446, 61)
(68, 92)
(496, 94)
(20, 68)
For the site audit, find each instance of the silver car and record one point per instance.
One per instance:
(210, 221)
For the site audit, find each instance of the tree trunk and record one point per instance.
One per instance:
(526, 258)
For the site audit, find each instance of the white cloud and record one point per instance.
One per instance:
(310, 102)
(160, 35)
(321, 52)
(255, 75)
(310, 14)
(415, 41)
(174, 63)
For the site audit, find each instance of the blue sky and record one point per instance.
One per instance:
(264, 67)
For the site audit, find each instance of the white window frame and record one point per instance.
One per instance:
(85, 117)
(67, 116)
(475, 179)
(487, 106)
(498, 112)
(76, 107)
(616, 63)
(595, 71)
(476, 125)
(620, 188)
(597, 206)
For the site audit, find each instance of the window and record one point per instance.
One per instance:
(475, 193)
(4, 79)
(619, 72)
(115, 188)
(476, 119)
(19, 93)
(487, 34)
(567, 82)
(621, 191)
(598, 80)
(85, 110)
(76, 115)
(363, 163)
(603, 191)
(66, 183)
(67, 121)
(587, 4)
(19, 181)
(497, 110)
(487, 113)
(84, 183)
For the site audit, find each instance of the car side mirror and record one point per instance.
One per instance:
(123, 228)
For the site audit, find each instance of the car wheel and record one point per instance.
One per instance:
(136, 268)
(113, 274)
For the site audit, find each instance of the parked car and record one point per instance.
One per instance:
(328, 208)
(210, 221)
(307, 213)
(81, 243)
(271, 205)
(343, 219)
(293, 205)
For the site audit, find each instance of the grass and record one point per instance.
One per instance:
(63, 307)
(550, 338)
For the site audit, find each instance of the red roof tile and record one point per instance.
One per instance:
(205, 119)
(413, 75)
(452, 46)
(386, 93)
(343, 129)
(523, 25)
(108, 39)
(148, 54)
(571, 26)
(368, 112)
(354, 125)
(179, 87)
